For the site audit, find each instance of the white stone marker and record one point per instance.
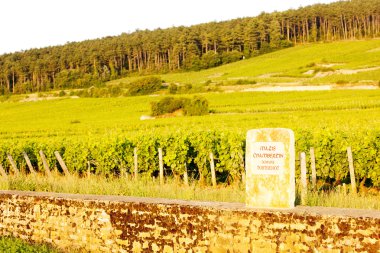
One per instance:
(270, 168)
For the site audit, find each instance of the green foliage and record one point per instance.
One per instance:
(97, 92)
(100, 134)
(191, 107)
(340, 82)
(231, 56)
(178, 153)
(168, 105)
(74, 78)
(210, 60)
(245, 81)
(310, 65)
(173, 88)
(62, 93)
(144, 86)
(196, 106)
(190, 150)
(14, 245)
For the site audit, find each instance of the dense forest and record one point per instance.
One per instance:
(92, 62)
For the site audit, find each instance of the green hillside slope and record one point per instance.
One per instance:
(347, 63)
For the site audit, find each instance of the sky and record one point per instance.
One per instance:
(26, 24)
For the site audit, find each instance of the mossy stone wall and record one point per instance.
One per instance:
(128, 224)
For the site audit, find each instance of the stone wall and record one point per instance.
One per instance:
(127, 224)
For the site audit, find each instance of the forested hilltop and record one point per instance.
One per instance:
(92, 62)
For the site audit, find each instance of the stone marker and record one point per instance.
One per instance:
(270, 162)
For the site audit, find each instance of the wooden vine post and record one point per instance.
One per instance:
(2, 171)
(352, 170)
(313, 170)
(62, 163)
(30, 166)
(186, 176)
(45, 163)
(13, 165)
(88, 169)
(135, 163)
(161, 165)
(303, 178)
(212, 165)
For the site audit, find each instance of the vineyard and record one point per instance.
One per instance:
(191, 151)
(100, 135)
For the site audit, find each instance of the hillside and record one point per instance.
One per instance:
(345, 63)
(178, 49)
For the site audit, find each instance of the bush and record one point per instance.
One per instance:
(115, 91)
(245, 81)
(210, 60)
(192, 107)
(62, 93)
(196, 106)
(144, 86)
(231, 56)
(340, 82)
(95, 92)
(185, 88)
(173, 88)
(167, 105)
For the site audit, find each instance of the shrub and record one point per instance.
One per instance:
(173, 88)
(144, 86)
(167, 105)
(192, 107)
(185, 88)
(210, 60)
(245, 81)
(310, 65)
(231, 56)
(340, 82)
(115, 91)
(196, 106)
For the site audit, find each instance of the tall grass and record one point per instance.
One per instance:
(342, 200)
(144, 187)
(173, 189)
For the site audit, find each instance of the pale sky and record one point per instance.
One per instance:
(26, 24)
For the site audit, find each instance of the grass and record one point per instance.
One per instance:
(174, 189)
(342, 200)
(144, 187)
(15, 245)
